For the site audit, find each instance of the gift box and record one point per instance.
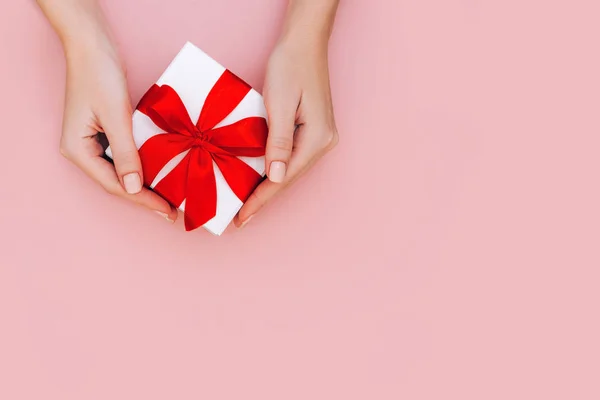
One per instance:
(201, 133)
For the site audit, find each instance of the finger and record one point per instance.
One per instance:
(257, 200)
(103, 172)
(312, 145)
(117, 126)
(281, 109)
(301, 162)
(263, 194)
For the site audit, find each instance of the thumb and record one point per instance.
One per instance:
(118, 129)
(280, 142)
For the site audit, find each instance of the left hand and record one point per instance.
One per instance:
(301, 121)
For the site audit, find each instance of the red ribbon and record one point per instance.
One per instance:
(193, 179)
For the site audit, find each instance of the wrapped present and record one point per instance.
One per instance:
(201, 133)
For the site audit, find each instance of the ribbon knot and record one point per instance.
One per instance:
(193, 179)
(199, 139)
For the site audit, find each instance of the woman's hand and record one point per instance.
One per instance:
(298, 100)
(97, 100)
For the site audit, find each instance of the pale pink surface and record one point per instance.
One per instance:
(447, 249)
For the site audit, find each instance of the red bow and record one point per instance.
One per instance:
(193, 179)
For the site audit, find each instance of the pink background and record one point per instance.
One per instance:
(447, 249)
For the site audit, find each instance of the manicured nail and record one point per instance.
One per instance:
(165, 216)
(133, 183)
(277, 171)
(246, 221)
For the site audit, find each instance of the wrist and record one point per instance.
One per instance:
(92, 46)
(309, 23)
(87, 42)
(80, 25)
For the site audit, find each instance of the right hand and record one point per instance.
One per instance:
(97, 100)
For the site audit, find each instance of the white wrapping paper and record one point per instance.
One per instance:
(192, 74)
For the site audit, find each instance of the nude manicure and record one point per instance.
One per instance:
(277, 171)
(132, 183)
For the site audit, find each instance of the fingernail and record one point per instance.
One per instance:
(165, 216)
(133, 183)
(277, 171)
(246, 221)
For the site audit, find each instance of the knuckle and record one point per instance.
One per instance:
(331, 139)
(282, 143)
(114, 189)
(125, 158)
(255, 198)
(259, 197)
(65, 150)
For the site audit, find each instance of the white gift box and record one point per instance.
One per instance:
(193, 74)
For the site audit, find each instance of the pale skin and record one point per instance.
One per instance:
(297, 97)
